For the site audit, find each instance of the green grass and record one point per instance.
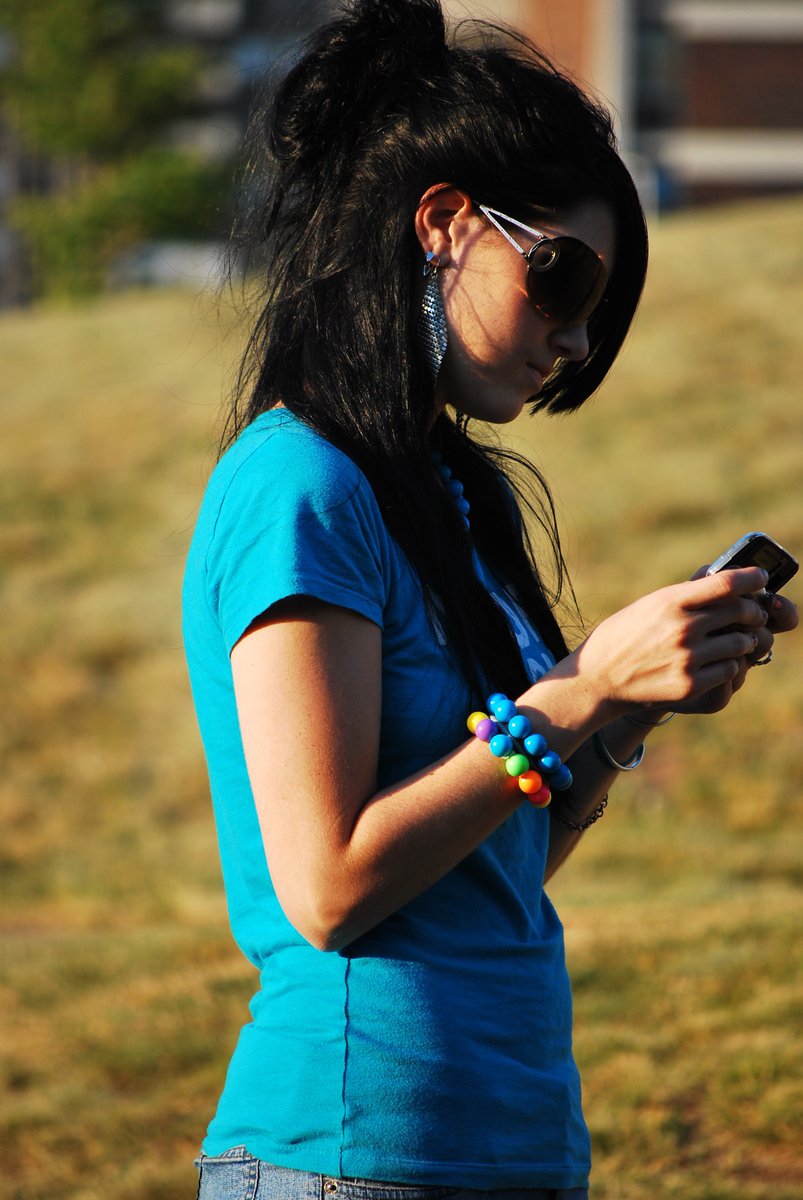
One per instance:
(121, 992)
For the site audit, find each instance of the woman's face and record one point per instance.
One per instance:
(500, 349)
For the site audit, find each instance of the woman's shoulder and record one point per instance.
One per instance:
(279, 439)
(282, 459)
(285, 513)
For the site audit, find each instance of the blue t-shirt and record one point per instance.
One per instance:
(437, 1047)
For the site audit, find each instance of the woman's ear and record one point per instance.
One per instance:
(440, 220)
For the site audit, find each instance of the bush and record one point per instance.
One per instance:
(74, 237)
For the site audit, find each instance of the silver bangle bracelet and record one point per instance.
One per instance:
(604, 753)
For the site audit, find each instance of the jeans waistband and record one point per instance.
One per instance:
(238, 1175)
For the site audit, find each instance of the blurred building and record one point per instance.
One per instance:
(244, 39)
(708, 94)
(719, 100)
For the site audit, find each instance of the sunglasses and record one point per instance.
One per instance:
(565, 278)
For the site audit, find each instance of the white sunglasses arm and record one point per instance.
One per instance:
(489, 213)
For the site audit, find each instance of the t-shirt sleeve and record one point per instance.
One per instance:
(296, 518)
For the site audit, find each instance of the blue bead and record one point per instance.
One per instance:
(535, 745)
(444, 471)
(466, 523)
(492, 699)
(454, 487)
(462, 505)
(500, 745)
(505, 710)
(549, 762)
(520, 726)
(562, 779)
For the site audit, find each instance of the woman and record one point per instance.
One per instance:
(446, 233)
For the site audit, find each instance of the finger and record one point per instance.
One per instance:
(783, 614)
(741, 675)
(709, 702)
(733, 644)
(736, 610)
(723, 585)
(712, 701)
(717, 675)
(763, 647)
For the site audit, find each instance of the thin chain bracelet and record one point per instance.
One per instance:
(582, 826)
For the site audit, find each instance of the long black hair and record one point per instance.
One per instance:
(378, 109)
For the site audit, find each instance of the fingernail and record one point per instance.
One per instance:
(766, 575)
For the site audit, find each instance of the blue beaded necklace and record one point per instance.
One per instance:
(453, 487)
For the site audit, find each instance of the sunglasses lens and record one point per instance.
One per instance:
(565, 280)
(543, 255)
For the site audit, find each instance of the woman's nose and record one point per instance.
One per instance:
(571, 341)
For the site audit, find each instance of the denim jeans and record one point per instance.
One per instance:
(237, 1175)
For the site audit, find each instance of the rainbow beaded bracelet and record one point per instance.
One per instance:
(510, 736)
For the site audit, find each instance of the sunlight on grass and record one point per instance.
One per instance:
(120, 988)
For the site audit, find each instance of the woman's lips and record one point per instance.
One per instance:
(539, 374)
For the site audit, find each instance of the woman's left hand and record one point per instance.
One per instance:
(782, 617)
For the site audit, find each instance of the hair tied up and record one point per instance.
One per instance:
(349, 76)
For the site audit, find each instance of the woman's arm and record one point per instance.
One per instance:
(342, 855)
(307, 678)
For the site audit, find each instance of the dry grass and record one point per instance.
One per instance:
(120, 990)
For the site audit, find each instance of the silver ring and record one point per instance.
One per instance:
(763, 662)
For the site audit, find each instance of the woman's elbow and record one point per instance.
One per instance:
(325, 921)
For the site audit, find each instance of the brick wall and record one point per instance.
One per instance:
(565, 31)
(743, 85)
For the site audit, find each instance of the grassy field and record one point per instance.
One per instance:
(121, 992)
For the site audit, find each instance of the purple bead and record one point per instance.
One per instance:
(486, 729)
(519, 726)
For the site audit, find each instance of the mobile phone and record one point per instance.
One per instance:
(759, 550)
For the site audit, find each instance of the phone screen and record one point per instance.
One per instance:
(759, 550)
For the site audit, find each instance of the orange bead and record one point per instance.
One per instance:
(530, 782)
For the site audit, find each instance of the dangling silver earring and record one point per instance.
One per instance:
(432, 319)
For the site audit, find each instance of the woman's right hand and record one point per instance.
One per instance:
(678, 645)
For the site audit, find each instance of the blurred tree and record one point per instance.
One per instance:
(95, 85)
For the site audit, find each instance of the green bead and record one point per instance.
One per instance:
(517, 764)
